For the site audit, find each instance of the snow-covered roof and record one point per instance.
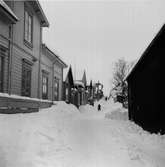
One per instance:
(133, 66)
(162, 30)
(79, 83)
(54, 55)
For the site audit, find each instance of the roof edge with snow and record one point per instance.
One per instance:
(145, 53)
(64, 65)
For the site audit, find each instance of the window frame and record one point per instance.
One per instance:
(3, 54)
(29, 15)
(26, 67)
(56, 89)
(2, 73)
(45, 75)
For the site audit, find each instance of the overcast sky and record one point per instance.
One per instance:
(92, 35)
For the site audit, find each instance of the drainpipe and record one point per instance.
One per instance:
(62, 86)
(39, 65)
(10, 58)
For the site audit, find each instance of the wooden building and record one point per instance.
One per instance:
(51, 78)
(75, 91)
(68, 85)
(20, 43)
(27, 67)
(7, 21)
(146, 87)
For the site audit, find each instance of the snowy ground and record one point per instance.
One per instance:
(63, 136)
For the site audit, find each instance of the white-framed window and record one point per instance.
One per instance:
(67, 93)
(28, 26)
(1, 72)
(3, 66)
(56, 88)
(44, 85)
(26, 77)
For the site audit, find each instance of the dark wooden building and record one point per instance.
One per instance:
(75, 91)
(68, 85)
(146, 87)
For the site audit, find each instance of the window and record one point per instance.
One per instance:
(3, 54)
(44, 85)
(1, 72)
(26, 78)
(28, 26)
(56, 89)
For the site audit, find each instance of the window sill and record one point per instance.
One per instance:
(28, 44)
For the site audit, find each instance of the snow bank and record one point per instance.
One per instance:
(87, 108)
(117, 114)
(35, 139)
(107, 106)
(64, 107)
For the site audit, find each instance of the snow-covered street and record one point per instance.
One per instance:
(63, 136)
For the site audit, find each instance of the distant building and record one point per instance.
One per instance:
(68, 86)
(76, 91)
(146, 87)
(98, 91)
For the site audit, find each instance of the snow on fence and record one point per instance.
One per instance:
(11, 104)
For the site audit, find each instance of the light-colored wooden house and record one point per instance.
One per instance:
(27, 67)
(51, 75)
(20, 40)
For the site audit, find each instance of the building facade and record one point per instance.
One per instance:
(27, 67)
(7, 20)
(23, 47)
(51, 75)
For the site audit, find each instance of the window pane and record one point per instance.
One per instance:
(26, 25)
(26, 79)
(44, 86)
(30, 29)
(1, 75)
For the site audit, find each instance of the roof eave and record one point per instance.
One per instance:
(40, 12)
(7, 11)
(64, 65)
(144, 53)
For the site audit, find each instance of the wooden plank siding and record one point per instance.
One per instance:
(58, 74)
(51, 64)
(146, 87)
(12, 37)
